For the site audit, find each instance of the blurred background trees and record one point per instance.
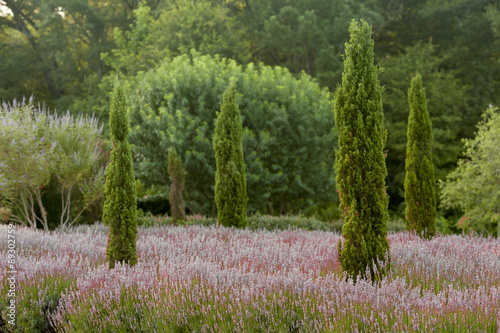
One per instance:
(67, 54)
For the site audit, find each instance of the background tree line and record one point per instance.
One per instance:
(67, 55)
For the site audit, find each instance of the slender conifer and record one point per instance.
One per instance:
(360, 161)
(177, 175)
(420, 184)
(120, 207)
(230, 179)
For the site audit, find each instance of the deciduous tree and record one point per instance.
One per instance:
(474, 186)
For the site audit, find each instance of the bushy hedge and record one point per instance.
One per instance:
(254, 222)
(265, 222)
(287, 134)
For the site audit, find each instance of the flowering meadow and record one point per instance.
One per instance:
(216, 279)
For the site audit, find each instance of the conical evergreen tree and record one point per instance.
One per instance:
(360, 161)
(177, 175)
(419, 183)
(230, 178)
(120, 207)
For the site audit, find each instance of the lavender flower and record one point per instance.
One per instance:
(240, 280)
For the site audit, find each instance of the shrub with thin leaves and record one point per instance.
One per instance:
(36, 145)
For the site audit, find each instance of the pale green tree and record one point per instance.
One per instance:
(474, 186)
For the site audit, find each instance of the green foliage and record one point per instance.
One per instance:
(461, 28)
(230, 179)
(68, 53)
(324, 211)
(175, 30)
(19, 77)
(420, 194)
(255, 222)
(177, 175)
(287, 131)
(360, 161)
(285, 222)
(440, 39)
(458, 29)
(163, 34)
(444, 95)
(153, 199)
(304, 35)
(474, 186)
(120, 207)
(132, 44)
(55, 47)
(446, 225)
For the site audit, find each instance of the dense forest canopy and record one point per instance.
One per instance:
(67, 54)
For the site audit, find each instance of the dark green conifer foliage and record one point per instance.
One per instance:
(177, 175)
(120, 207)
(360, 161)
(419, 184)
(230, 178)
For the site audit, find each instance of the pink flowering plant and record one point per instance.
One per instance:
(217, 279)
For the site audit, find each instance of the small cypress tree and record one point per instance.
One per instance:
(230, 179)
(120, 207)
(360, 161)
(419, 183)
(177, 174)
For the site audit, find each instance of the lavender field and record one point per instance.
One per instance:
(215, 279)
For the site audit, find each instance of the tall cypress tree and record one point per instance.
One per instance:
(120, 207)
(230, 179)
(419, 184)
(360, 161)
(177, 175)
